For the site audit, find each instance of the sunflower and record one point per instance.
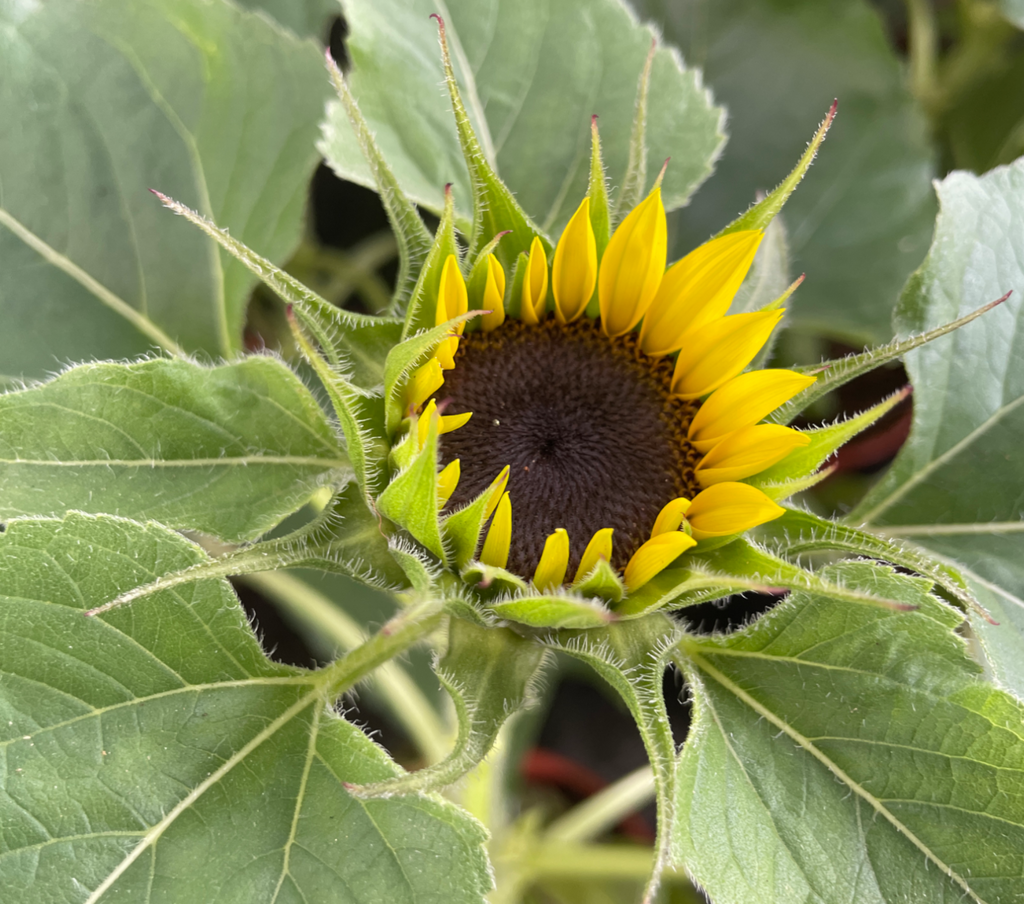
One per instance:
(600, 405)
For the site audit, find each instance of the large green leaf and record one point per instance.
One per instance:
(956, 485)
(860, 222)
(216, 106)
(228, 450)
(844, 753)
(155, 754)
(307, 18)
(532, 74)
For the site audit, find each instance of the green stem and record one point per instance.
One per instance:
(397, 635)
(923, 41)
(601, 812)
(397, 690)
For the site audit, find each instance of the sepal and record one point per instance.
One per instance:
(791, 475)
(495, 208)
(602, 581)
(422, 309)
(764, 211)
(833, 374)
(462, 529)
(552, 610)
(410, 500)
(411, 235)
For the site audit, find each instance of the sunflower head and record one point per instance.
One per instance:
(573, 426)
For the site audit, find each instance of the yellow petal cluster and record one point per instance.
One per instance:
(683, 312)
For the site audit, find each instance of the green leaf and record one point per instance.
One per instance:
(200, 771)
(860, 221)
(798, 533)
(955, 486)
(849, 753)
(307, 18)
(212, 104)
(228, 450)
(529, 97)
(489, 674)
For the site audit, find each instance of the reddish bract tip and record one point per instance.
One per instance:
(999, 300)
(288, 312)
(832, 110)
(440, 22)
(593, 120)
(448, 189)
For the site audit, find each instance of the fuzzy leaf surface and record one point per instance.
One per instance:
(214, 105)
(846, 753)
(155, 754)
(860, 221)
(957, 486)
(532, 74)
(227, 450)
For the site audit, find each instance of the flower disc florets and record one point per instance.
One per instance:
(587, 424)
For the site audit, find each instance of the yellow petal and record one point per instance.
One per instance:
(535, 285)
(423, 422)
(452, 298)
(743, 401)
(719, 350)
(426, 380)
(499, 535)
(450, 422)
(445, 424)
(554, 561)
(730, 508)
(574, 270)
(599, 547)
(670, 517)
(697, 290)
(447, 481)
(632, 266)
(497, 488)
(654, 557)
(494, 295)
(748, 451)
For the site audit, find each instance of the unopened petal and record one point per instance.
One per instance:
(748, 451)
(497, 488)
(452, 297)
(730, 508)
(554, 561)
(632, 266)
(494, 295)
(654, 557)
(447, 481)
(599, 547)
(574, 269)
(450, 422)
(426, 380)
(499, 535)
(423, 422)
(697, 290)
(741, 402)
(670, 517)
(719, 350)
(535, 285)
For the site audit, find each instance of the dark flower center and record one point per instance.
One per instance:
(586, 425)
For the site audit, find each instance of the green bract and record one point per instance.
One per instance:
(845, 746)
